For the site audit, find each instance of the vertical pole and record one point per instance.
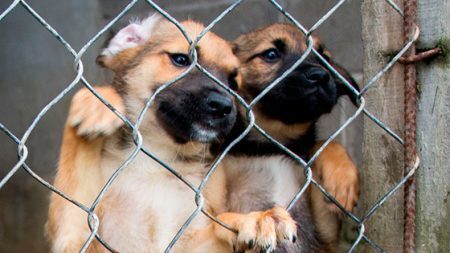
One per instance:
(382, 155)
(409, 132)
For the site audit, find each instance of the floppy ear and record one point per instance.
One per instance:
(341, 87)
(123, 46)
(317, 45)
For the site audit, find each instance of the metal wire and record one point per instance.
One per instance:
(92, 219)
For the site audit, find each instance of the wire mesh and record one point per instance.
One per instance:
(93, 220)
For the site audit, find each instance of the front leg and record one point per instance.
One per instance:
(90, 117)
(261, 231)
(78, 174)
(336, 172)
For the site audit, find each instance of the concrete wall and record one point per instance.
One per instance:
(34, 67)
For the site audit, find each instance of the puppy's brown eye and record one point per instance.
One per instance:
(180, 60)
(271, 55)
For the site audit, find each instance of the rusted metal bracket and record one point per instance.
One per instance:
(410, 59)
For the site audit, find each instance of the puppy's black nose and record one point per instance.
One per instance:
(219, 105)
(317, 76)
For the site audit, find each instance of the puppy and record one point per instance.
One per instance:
(260, 175)
(146, 205)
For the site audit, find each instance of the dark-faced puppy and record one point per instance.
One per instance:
(259, 174)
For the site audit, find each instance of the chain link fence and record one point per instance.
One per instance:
(21, 141)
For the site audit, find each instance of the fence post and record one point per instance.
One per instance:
(382, 31)
(433, 134)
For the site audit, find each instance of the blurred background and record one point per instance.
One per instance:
(35, 67)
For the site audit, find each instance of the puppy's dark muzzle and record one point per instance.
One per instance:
(308, 92)
(196, 110)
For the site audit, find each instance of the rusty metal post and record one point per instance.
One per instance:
(410, 152)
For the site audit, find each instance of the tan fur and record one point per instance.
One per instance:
(122, 59)
(337, 173)
(77, 176)
(104, 121)
(146, 205)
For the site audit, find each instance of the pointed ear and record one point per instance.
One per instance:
(135, 34)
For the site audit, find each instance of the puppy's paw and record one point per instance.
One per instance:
(260, 231)
(338, 175)
(91, 117)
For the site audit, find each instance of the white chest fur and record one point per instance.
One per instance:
(147, 205)
(275, 178)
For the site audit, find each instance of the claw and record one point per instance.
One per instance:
(251, 243)
(268, 248)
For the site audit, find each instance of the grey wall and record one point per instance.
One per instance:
(34, 67)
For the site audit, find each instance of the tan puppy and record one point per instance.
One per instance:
(146, 205)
